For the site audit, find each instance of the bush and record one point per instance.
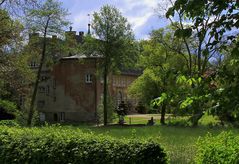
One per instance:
(178, 121)
(140, 108)
(8, 110)
(67, 145)
(8, 123)
(223, 148)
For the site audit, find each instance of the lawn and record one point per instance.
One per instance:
(178, 141)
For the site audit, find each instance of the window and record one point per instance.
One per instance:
(54, 83)
(62, 116)
(43, 78)
(42, 116)
(42, 89)
(41, 103)
(47, 90)
(55, 117)
(54, 99)
(21, 100)
(33, 64)
(101, 79)
(88, 78)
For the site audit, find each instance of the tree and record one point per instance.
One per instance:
(211, 23)
(214, 25)
(48, 19)
(14, 72)
(114, 43)
(225, 98)
(10, 32)
(17, 8)
(161, 66)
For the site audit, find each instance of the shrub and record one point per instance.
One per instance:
(223, 148)
(8, 110)
(178, 121)
(140, 108)
(61, 145)
(8, 123)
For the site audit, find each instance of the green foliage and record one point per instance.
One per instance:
(226, 96)
(145, 87)
(10, 31)
(194, 94)
(183, 33)
(179, 122)
(140, 108)
(8, 106)
(223, 148)
(61, 145)
(49, 17)
(9, 123)
(111, 115)
(160, 100)
(114, 42)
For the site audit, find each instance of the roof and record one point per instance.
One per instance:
(133, 72)
(80, 56)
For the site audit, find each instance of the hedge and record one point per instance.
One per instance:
(71, 145)
(223, 148)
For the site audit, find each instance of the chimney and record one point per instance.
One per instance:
(81, 33)
(88, 29)
(70, 28)
(80, 38)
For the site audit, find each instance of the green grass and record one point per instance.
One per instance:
(178, 141)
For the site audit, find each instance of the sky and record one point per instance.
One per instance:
(141, 14)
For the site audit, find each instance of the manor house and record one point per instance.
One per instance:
(72, 90)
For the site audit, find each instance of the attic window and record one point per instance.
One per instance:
(88, 78)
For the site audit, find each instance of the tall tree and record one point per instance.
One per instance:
(13, 66)
(114, 42)
(48, 19)
(161, 66)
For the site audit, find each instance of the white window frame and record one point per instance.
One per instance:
(42, 117)
(88, 78)
(62, 116)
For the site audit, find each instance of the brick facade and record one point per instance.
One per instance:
(71, 91)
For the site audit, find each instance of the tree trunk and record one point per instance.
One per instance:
(31, 110)
(195, 118)
(162, 119)
(199, 58)
(105, 95)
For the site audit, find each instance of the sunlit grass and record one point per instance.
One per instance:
(179, 142)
